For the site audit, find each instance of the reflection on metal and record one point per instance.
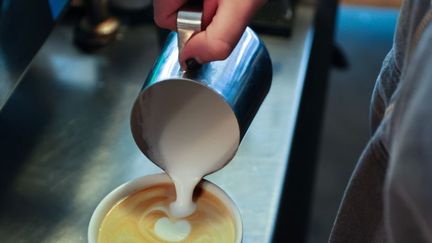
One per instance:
(242, 80)
(97, 28)
(90, 36)
(4, 5)
(188, 24)
(24, 26)
(64, 67)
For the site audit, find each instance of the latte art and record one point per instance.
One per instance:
(144, 217)
(173, 231)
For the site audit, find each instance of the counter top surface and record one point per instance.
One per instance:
(24, 26)
(66, 140)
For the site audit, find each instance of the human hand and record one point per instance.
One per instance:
(224, 22)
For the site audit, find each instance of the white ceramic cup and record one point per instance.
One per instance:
(132, 186)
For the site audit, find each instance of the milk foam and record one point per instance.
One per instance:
(183, 206)
(190, 132)
(173, 231)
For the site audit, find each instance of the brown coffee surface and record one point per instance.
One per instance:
(133, 219)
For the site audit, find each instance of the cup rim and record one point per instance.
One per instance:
(143, 182)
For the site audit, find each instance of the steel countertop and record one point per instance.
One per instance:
(66, 142)
(24, 26)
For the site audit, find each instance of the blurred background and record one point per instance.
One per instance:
(345, 129)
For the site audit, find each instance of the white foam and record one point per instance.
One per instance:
(190, 132)
(183, 206)
(173, 231)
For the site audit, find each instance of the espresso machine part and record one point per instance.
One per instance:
(97, 28)
(276, 17)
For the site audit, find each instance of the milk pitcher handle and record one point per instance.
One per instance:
(189, 20)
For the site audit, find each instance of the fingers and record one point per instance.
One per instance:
(165, 12)
(209, 11)
(223, 32)
(224, 22)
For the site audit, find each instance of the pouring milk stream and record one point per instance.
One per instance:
(191, 123)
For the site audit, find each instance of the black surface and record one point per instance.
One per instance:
(292, 223)
(24, 26)
(276, 17)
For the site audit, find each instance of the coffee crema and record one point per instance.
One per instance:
(144, 217)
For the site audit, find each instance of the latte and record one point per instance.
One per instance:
(143, 216)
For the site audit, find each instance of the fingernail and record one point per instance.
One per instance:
(192, 64)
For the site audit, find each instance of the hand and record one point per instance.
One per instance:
(224, 22)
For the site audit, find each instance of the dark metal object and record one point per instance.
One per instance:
(292, 224)
(24, 26)
(276, 17)
(97, 28)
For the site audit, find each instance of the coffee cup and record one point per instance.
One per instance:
(151, 183)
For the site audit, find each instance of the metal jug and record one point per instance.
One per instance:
(199, 117)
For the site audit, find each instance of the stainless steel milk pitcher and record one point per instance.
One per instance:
(201, 114)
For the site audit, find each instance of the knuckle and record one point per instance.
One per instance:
(160, 21)
(222, 50)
